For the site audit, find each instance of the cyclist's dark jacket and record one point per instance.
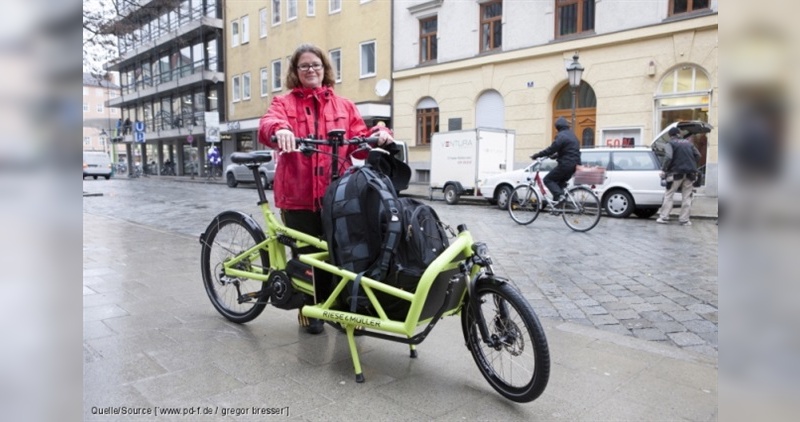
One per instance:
(681, 157)
(566, 145)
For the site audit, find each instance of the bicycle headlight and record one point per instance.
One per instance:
(480, 249)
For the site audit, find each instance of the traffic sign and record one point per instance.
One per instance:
(190, 139)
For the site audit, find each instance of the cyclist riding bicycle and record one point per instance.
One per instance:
(568, 151)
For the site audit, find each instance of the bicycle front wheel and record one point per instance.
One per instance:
(582, 211)
(524, 204)
(238, 299)
(517, 365)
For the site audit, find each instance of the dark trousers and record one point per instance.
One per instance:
(556, 180)
(310, 222)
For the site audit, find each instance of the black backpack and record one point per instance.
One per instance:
(361, 218)
(423, 239)
(371, 232)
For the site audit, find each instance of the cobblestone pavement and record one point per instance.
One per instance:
(628, 276)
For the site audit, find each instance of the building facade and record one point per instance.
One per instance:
(97, 117)
(502, 64)
(172, 81)
(262, 36)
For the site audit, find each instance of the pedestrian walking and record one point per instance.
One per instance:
(680, 171)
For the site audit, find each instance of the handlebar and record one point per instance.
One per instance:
(335, 140)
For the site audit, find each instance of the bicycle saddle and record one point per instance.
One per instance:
(250, 158)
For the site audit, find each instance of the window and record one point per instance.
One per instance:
(291, 10)
(574, 16)
(276, 12)
(427, 120)
(276, 76)
(85, 91)
(87, 140)
(594, 158)
(368, 59)
(245, 29)
(264, 83)
(336, 63)
(85, 107)
(234, 33)
(246, 86)
(262, 23)
(311, 8)
(237, 89)
(491, 25)
(427, 125)
(99, 108)
(334, 6)
(682, 6)
(427, 39)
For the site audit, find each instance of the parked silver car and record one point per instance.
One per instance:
(237, 173)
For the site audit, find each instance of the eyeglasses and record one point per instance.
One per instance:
(307, 67)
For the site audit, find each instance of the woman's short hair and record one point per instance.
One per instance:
(293, 81)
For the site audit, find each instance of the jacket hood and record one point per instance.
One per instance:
(562, 123)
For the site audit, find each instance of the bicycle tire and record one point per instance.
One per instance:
(587, 215)
(228, 235)
(524, 204)
(515, 372)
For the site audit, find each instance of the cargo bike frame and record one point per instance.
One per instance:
(245, 267)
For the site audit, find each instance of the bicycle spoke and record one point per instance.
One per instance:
(582, 209)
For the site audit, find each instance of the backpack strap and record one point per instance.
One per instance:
(354, 293)
(394, 227)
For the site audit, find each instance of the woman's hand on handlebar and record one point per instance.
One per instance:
(384, 136)
(285, 140)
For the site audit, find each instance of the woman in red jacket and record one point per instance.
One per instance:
(310, 109)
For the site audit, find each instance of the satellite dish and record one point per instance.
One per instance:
(382, 87)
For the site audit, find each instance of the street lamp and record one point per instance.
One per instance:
(574, 72)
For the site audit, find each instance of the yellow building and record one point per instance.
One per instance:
(262, 36)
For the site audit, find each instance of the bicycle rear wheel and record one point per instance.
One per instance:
(518, 365)
(238, 299)
(582, 212)
(524, 204)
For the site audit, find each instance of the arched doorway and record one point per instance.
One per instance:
(684, 94)
(585, 111)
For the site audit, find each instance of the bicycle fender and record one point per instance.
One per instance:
(246, 219)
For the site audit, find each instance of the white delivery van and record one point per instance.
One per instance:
(96, 163)
(460, 159)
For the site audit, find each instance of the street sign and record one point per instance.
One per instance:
(138, 137)
(212, 126)
(190, 139)
(138, 126)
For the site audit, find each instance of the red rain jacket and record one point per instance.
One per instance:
(300, 180)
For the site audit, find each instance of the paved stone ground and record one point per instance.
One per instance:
(152, 340)
(627, 276)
